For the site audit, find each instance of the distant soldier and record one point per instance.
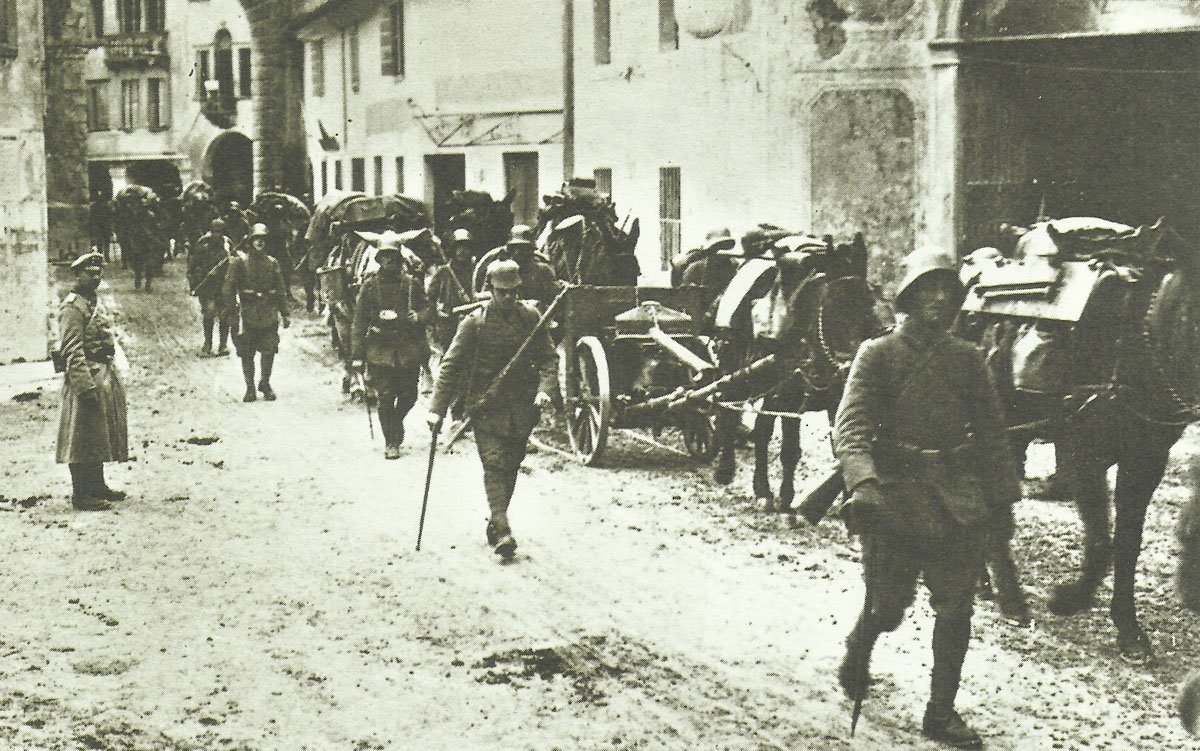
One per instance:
(100, 224)
(538, 281)
(388, 337)
(92, 428)
(449, 287)
(254, 288)
(504, 413)
(207, 264)
(704, 266)
(921, 443)
(236, 224)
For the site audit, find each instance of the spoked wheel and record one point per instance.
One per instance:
(588, 400)
(698, 431)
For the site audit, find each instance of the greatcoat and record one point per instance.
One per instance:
(90, 432)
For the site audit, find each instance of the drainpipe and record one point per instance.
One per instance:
(568, 42)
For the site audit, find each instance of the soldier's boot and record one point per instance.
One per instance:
(248, 377)
(207, 322)
(951, 636)
(264, 385)
(387, 426)
(505, 544)
(100, 488)
(1007, 583)
(82, 496)
(854, 672)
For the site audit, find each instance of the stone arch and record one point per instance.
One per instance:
(229, 167)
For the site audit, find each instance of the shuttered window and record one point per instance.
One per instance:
(131, 103)
(202, 73)
(97, 111)
(244, 72)
(358, 174)
(317, 63)
(158, 114)
(668, 27)
(602, 31)
(337, 175)
(400, 174)
(8, 26)
(355, 67)
(669, 214)
(391, 41)
(603, 178)
(378, 175)
(324, 177)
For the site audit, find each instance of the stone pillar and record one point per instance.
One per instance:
(944, 157)
(278, 61)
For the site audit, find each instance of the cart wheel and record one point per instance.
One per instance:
(588, 401)
(698, 437)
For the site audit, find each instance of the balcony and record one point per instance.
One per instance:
(143, 49)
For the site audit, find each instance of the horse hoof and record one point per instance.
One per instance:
(723, 475)
(1070, 599)
(1136, 648)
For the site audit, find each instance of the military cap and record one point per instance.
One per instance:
(522, 234)
(260, 230)
(719, 239)
(504, 274)
(88, 261)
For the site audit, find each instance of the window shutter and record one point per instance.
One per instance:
(387, 57)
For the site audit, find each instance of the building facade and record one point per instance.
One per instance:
(423, 97)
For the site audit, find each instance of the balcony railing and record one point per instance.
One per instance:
(144, 49)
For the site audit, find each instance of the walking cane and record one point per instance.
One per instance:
(433, 439)
(862, 676)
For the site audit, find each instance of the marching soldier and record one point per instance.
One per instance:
(504, 413)
(92, 428)
(921, 445)
(538, 281)
(449, 287)
(254, 288)
(236, 225)
(207, 264)
(388, 335)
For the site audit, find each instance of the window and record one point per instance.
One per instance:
(400, 175)
(97, 109)
(201, 72)
(337, 174)
(603, 177)
(8, 26)
(317, 51)
(521, 177)
(244, 73)
(378, 175)
(355, 68)
(97, 18)
(669, 213)
(129, 16)
(130, 103)
(223, 67)
(668, 27)
(602, 31)
(391, 41)
(358, 174)
(156, 12)
(158, 107)
(324, 177)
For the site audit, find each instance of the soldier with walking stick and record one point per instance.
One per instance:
(921, 445)
(502, 366)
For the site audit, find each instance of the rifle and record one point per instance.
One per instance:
(494, 387)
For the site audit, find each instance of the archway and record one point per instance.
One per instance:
(159, 175)
(229, 167)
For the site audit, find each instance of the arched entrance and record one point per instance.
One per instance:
(159, 175)
(229, 167)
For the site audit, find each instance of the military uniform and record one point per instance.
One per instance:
(254, 287)
(486, 340)
(393, 347)
(921, 418)
(446, 292)
(92, 425)
(538, 280)
(206, 281)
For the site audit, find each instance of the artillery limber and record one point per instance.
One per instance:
(625, 352)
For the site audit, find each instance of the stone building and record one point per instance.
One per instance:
(914, 121)
(423, 97)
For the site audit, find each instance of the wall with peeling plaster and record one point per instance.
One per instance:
(809, 114)
(23, 285)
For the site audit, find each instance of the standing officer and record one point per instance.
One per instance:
(206, 282)
(486, 341)
(538, 281)
(92, 428)
(921, 444)
(254, 287)
(388, 333)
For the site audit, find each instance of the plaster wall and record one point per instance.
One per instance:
(482, 78)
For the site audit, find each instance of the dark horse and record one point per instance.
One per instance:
(1133, 385)
(825, 311)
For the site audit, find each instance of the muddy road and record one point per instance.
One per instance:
(260, 590)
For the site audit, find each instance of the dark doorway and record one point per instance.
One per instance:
(444, 173)
(1100, 126)
(99, 181)
(229, 168)
(521, 178)
(158, 175)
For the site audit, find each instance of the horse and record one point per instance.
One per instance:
(138, 221)
(1130, 385)
(820, 309)
(579, 232)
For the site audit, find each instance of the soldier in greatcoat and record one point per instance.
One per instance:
(92, 428)
(507, 411)
(254, 288)
(208, 262)
(921, 445)
(387, 335)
